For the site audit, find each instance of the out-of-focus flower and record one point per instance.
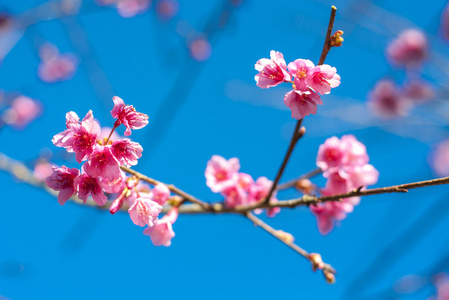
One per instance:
(200, 49)
(63, 180)
(167, 9)
(128, 8)
(272, 71)
(387, 101)
(54, 66)
(439, 159)
(22, 112)
(408, 49)
(42, 169)
(418, 91)
(160, 194)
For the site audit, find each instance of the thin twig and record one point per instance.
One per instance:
(286, 238)
(292, 183)
(171, 187)
(297, 134)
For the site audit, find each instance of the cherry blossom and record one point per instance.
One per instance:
(89, 186)
(162, 232)
(102, 163)
(79, 138)
(63, 180)
(272, 71)
(221, 172)
(302, 104)
(144, 211)
(322, 78)
(126, 151)
(387, 101)
(160, 194)
(54, 66)
(22, 112)
(128, 116)
(300, 69)
(408, 49)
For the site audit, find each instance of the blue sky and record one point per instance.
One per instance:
(69, 252)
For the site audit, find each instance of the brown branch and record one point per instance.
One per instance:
(327, 42)
(171, 187)
(284, 237)
(292, 183)
(297, 133)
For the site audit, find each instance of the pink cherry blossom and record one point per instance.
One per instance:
(144, 211)
(234, 194)
(42, 170)
(126, 151)
(160, 194)
(408, 49)
(79, 138)
(387, 101)
(272, 71)
(259, 190)
(301, 69)
(220, 172)
(330, 154)
(72, 118)
(419, 91)
(22, 112)
(114, 186)
(162, 232)
(322, 78)
(354, 151)
(362, 175)
(131, 8)
(328, 213)
(302, 104)
(442, 286)
(102, 163)
(54, 66)
(128, 116)
(63, 180)
(245, 181)
(89, 186)
(200, 49)
(167, 9)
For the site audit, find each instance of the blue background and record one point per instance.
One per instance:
(72, 252)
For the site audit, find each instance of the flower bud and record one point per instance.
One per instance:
(317, 262)
(330, 277)
(336, 39)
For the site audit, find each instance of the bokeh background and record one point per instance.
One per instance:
(190, 67)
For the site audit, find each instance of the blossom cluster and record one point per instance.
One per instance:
(308, 81)
(223, 176)
(22, 110)
(344, 163)
(101, 171)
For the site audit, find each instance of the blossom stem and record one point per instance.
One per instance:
(288, 242)
(110, 134)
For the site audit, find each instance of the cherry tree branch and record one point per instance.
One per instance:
(291, 183)
(298, 133)
(284, 237)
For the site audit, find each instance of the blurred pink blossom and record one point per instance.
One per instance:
(22, 112)
(200, 49)
(144, 211)
(418, 91)
(42, 169)
(408, 49)
(387, 101)
(439, 160)
(444, 26)
(128, 8)
(167, 9)
(54, 66)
